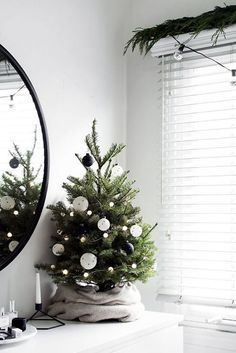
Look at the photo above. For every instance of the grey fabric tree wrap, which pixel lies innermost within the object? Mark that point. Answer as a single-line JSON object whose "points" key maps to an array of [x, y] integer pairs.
{"points": [[87, 305]]}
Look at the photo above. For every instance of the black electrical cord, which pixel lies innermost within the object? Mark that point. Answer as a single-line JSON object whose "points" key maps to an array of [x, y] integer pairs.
{"points": [[181, 49]]}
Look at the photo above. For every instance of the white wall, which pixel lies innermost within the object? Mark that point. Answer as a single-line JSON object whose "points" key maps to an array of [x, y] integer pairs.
{"points": [[144, 114], [72, 52]]}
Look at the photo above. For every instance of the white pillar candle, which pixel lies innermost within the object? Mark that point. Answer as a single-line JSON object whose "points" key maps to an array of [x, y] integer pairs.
{"points": [[38, 290]]}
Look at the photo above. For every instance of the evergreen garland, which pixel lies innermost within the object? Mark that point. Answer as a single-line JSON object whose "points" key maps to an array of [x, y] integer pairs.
{"points": [[120, 256], [219, 18]]}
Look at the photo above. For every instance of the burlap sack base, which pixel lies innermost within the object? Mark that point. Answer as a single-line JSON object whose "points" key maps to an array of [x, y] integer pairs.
{"points": [[87, 305]]}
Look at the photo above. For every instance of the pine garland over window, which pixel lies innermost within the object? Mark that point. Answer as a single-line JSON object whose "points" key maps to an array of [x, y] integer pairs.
{"points": [[219, 18]]}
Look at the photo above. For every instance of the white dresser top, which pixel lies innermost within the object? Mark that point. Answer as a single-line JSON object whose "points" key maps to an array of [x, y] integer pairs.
{"points": [[76, 337]]}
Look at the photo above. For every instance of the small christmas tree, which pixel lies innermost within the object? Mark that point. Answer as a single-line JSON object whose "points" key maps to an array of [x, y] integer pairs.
{"points": [[19, 195], [100, 238]]}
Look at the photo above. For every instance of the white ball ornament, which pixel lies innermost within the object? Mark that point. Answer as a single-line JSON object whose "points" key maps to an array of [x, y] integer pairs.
{"points": [[12, 245], [80, 204], [7, 203], [58, 249], [103, 224], [136, 230], [116, 171], [88, 261]]}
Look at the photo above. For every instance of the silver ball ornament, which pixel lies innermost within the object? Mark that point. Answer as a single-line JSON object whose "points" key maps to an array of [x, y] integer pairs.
{"points": [[80, 204], [58, 249], [116, 171], [88, 261], [7, 203], [136, 230], [12, 245], [103, 224]]}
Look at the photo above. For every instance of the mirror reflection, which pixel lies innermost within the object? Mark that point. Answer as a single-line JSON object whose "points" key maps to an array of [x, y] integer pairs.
{"points": [[21, 159]]}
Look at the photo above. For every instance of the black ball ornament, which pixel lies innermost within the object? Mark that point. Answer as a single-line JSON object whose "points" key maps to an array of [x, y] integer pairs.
{"points": [[105, 286], [79, 230], [110, 262], [14, 163], [118, 242], [3, 227], [128, 248], [87, 160]]}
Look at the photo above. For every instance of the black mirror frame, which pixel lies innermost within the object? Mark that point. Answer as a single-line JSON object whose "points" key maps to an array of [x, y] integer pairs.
{"points": [[42, 197]]}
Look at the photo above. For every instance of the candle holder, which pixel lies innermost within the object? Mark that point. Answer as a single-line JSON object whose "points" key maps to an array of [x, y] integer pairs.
{"points": [[38, 308]]}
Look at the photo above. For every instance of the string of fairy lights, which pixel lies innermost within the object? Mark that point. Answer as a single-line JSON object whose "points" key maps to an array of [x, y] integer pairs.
{"points": [[12, 95], [179, 55]]}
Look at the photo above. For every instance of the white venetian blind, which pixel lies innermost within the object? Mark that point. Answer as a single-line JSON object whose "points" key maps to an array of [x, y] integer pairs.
{"points": [[18, 121], [197, 228]]}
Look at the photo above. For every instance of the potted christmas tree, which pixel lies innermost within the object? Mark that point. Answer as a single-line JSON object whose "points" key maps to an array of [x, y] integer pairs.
{"points": [[101, 244]]}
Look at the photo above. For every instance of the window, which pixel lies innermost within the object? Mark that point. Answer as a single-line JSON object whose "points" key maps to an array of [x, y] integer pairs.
{"points": [[197, 223], [20, 119]]}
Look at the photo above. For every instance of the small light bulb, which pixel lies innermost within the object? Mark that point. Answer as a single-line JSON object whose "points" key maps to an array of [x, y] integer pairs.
{"points": [[65, 272], [178, 54], [9, 234], [134, 265], [66, 237], [16, 213], [233, 77], [63, 214], [110, 269], [11, 104], [168, 234], [89, 212], [71, 213], [53, 267], [82, 239], [124, 228], [111, 204], [86, 274], [105, 235]]}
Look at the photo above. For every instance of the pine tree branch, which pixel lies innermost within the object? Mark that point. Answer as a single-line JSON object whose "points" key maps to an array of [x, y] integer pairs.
{"points": [[114, 150], [107, 172], [91, 142]]}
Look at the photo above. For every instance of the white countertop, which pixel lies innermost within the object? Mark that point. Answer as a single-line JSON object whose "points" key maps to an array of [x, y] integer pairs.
{"points": [[77, 337]]}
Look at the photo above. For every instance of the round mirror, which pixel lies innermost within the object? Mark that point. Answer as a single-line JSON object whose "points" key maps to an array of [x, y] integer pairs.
{"points": [[23, 158]]}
